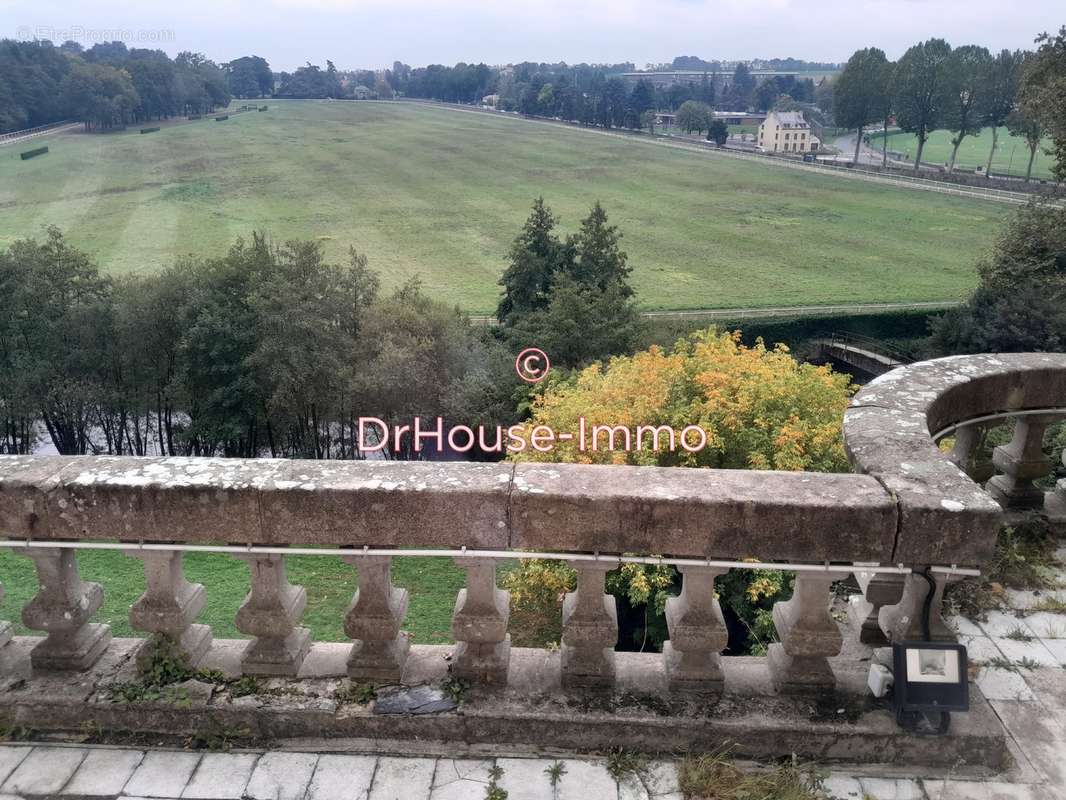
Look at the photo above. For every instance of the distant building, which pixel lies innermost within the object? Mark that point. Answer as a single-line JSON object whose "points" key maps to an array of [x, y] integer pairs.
{"points": [[695, 76], [740, 117], [361, 92], [490, 100], [787, 132]]}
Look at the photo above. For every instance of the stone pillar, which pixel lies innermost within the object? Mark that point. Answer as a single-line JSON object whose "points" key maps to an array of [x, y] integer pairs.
{"points": [[169, 605], [697, 633], [903, 621], [590, 629], [271, 612], [1055, 500], [1022, 461], [879, 589], [374, 619], [7, 630], [479, 625], [808, 637], [62, 608], [965, 454]]}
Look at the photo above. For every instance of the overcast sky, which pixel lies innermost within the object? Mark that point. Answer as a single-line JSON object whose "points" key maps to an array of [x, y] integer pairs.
{"points": [[374, 33]]}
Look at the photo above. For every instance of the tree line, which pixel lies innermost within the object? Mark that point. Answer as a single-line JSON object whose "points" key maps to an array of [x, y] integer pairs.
{"points": [[272, 349], [110, 85], [962, 89]]}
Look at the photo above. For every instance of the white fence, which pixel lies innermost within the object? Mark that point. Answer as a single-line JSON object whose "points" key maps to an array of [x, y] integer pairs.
{"points": [[40, 130]]}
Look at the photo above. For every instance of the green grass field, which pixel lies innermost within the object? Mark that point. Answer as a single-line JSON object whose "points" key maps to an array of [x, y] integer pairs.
{"points": [[441, 194], [432, 584], [1012, 154]]}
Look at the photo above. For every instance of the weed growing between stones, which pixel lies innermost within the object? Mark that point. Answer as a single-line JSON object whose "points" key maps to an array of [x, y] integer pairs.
{"points": [[161, 667], [494, 791], [455, 688], [714, 776], [354, 692], [218, 737], [1024, 559], [555, 774], [623, 764]]}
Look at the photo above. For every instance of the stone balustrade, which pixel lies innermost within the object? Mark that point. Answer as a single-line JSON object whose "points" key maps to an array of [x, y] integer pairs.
{"points": [[909, 506]]}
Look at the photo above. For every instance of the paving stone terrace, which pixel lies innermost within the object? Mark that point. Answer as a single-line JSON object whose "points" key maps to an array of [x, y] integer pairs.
{"points": [[908, 507]]}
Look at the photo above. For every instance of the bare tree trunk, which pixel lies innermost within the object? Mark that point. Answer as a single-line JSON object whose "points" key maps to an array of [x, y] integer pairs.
{"points": [[858, 144], [918, 157], [954, 152], [1029, 169], [992, 152], [884, 148]]}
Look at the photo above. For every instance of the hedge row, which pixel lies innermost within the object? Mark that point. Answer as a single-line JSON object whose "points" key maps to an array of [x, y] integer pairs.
{"points": [[39, 151], [222, 119], [263, 108], [149, 130], [903, 329], [193, 116]]}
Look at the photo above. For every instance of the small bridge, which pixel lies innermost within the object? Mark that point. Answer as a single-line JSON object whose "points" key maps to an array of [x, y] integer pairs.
{"points": [[863, 353]]}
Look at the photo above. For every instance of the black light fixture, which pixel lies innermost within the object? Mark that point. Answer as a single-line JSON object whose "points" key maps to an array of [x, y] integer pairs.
{"points": [[930, 681]]}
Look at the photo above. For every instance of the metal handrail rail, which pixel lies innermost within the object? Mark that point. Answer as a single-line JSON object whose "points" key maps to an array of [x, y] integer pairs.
{"points": [[876, 346]]}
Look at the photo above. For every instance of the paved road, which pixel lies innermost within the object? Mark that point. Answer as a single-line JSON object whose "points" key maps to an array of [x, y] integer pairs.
{"points": [[776, 311], [867, 155]]}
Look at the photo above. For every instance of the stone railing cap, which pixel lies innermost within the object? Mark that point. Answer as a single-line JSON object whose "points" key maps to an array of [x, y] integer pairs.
{"points": [[944, 516]]}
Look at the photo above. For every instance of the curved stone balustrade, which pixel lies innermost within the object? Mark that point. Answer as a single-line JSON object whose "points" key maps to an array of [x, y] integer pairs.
{"points": [[911, 505]]}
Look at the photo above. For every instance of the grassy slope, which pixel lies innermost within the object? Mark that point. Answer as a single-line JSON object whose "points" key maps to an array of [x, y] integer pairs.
{"points": [[973, 152], [441, 194]]}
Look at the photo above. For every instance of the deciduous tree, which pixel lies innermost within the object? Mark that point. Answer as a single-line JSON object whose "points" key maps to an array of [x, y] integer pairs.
{"points": [[966, 91], [921, 90], [858, 92]]}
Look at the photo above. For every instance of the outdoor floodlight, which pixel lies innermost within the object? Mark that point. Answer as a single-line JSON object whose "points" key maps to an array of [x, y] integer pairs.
{"points": [[930, 678]]}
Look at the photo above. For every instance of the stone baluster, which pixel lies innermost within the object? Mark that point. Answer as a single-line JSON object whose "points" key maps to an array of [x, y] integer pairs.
{"points": [[271, 613], [903, 621], [7, 630], [169, 605], [800, 662], [590, 629], [1022, 461], [966, 453], [374, 619], [62, 608], [1055, 500], [879, 589], [479, 625], [697, 633]]}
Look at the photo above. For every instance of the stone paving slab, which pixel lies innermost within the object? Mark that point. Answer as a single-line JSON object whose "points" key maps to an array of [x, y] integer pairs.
{"points": [[892, 788], [585, 779], [45, 770], [461, 779], [399, 778], [977, 790], [282, 776], [10, 757], [128, 774], [342, 777], [221, 776], [997, 683], [162, 773], [104, 772]]}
